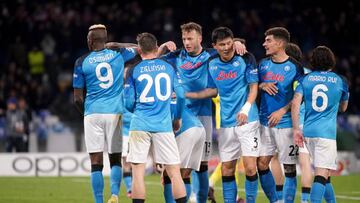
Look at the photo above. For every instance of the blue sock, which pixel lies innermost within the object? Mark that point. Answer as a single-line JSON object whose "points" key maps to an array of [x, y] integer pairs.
{"points": [[194, 182], [317, 189], [279, 191], [97, 183], [229, 189], [127, 181], [187, 187], [251, 188], [203, 177], [290, 187], [305, 194], [115, 179], [168, 190], [329, 192], [268, 185]]}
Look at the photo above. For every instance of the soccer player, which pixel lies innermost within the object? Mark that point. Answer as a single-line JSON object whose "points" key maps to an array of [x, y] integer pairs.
{"points": [[235, 78], [294, 51], [148, 90], [100, 72], [191, 62], [190, 139], [324, 94], [277, 74]]}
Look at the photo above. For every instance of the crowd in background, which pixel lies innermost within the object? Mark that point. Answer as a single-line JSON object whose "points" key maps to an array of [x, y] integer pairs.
{"points": [[42, 39]]}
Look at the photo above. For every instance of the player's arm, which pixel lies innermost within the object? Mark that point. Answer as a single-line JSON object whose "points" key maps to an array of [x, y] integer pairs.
{"points": [[117, 45], [344, 96], [79, 100], [239, 46], [166, 47], [242, 116], [343, 106], [295, 117], [269, 87], [206, 93], [276, 116]]}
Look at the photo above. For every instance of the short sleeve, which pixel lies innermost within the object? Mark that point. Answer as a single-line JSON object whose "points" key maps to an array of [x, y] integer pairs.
{"points": [[78, 75], [128, 53], [251, 72], [344, 90]]}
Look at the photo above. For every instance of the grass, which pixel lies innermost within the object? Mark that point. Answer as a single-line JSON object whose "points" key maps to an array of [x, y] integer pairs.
{"points": [[77, 189]]}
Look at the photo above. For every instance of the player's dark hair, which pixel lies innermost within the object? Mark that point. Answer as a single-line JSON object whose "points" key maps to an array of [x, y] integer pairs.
{"points": [[188, 27], [322, 59], [221, 33], [147, 42], [279, 33], [294, 51]]}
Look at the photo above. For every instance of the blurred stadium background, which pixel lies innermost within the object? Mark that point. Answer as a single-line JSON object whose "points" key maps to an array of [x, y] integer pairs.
{"points": [[41, 40]]}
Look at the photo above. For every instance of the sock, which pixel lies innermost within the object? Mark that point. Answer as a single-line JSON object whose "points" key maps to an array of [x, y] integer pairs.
{"points": [[305, 194], [181, 200], [317, 189], [229, 189], [279, 191], [203, 187], [251, 188], [194, 183], [290, 187], [268, 185], [138, 200], [97, 182], [329, 192], [168, 190], [187, 187], [127, 181], [115, 179]]}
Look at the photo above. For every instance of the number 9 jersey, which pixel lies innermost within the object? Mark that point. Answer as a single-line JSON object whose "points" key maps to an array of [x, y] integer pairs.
{"points": [[102, 73], [322, 92]]}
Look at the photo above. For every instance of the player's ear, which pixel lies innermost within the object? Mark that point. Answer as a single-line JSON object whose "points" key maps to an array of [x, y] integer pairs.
{"points": [[214, 45]]}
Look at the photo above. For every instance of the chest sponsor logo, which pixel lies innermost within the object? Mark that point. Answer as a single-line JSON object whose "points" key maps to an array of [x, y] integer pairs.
{"points": [[226, 76], [189, 65], [272, 76]]}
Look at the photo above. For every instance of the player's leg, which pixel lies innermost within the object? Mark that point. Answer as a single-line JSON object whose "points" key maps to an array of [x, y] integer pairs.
{"points": [[202, 175], [278, 176], [166, 152], [306, 174], [127, 175], [319, 185], [288, 156], [139, 146], [267, 149], [329, 192], [114, 145], [94, 141], [230, 152]]}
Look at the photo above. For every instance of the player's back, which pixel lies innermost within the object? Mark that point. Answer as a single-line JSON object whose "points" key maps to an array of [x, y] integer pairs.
{"points": [[101, 72], [322, 91], [153, 81]]}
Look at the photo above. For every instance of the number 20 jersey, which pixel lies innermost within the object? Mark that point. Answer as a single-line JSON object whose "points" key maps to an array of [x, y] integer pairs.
{"points": [[102, 73], [322, 92]]}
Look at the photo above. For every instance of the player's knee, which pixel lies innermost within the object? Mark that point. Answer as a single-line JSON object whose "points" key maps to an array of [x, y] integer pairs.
{"points": [[115, 159], [250, 170], [263, 164], [228, 169], [290, 170]]}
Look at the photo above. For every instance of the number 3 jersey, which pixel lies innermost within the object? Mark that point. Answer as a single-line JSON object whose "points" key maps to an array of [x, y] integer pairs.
{"points": [[102, 73], [322, 92], [148, 89]]}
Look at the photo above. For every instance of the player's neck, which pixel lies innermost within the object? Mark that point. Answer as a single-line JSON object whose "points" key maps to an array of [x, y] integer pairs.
{"points": [[279, 57], [197, 52], [148, 56]]}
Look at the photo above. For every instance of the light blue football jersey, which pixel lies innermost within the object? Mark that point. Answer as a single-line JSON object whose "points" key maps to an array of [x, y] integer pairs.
{"points": [[284, 74], [188, 118], [101, 73], [194, 75], [232, 79], [148, 90], [322, 92], [126, 120], [302, 106]]}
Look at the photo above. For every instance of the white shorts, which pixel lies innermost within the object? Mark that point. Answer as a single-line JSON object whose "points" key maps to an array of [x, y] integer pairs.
{"points": [[281, 139], [239, 141], [323, 152], [191, 144], [208, 125], [102, 132], [125, 146], [164, 147]]}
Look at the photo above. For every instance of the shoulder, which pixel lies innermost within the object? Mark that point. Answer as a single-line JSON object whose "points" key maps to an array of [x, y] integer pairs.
{"points": [[213, 57], [296, 63], [343, 78], [211, 51], [264, 60], [249, 58], [81, 59]]}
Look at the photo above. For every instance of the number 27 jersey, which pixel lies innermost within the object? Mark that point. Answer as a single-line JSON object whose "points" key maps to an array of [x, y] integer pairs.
{"points": [[322, 93], [102, 74]]}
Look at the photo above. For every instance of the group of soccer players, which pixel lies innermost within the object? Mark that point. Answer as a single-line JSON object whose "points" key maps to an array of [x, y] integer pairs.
{"points": [[167, 103]]}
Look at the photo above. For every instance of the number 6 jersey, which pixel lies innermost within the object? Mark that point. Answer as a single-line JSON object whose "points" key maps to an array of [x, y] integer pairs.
{"points": [[102, 73], [322, 92]]}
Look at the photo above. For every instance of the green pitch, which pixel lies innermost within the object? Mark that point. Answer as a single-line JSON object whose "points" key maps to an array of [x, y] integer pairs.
{"points": [[77, 189]]}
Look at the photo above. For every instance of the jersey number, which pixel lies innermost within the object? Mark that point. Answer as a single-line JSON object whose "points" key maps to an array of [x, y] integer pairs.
{"points": [[294, 150], [108, 79], [149, 83], [319, 91]]}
